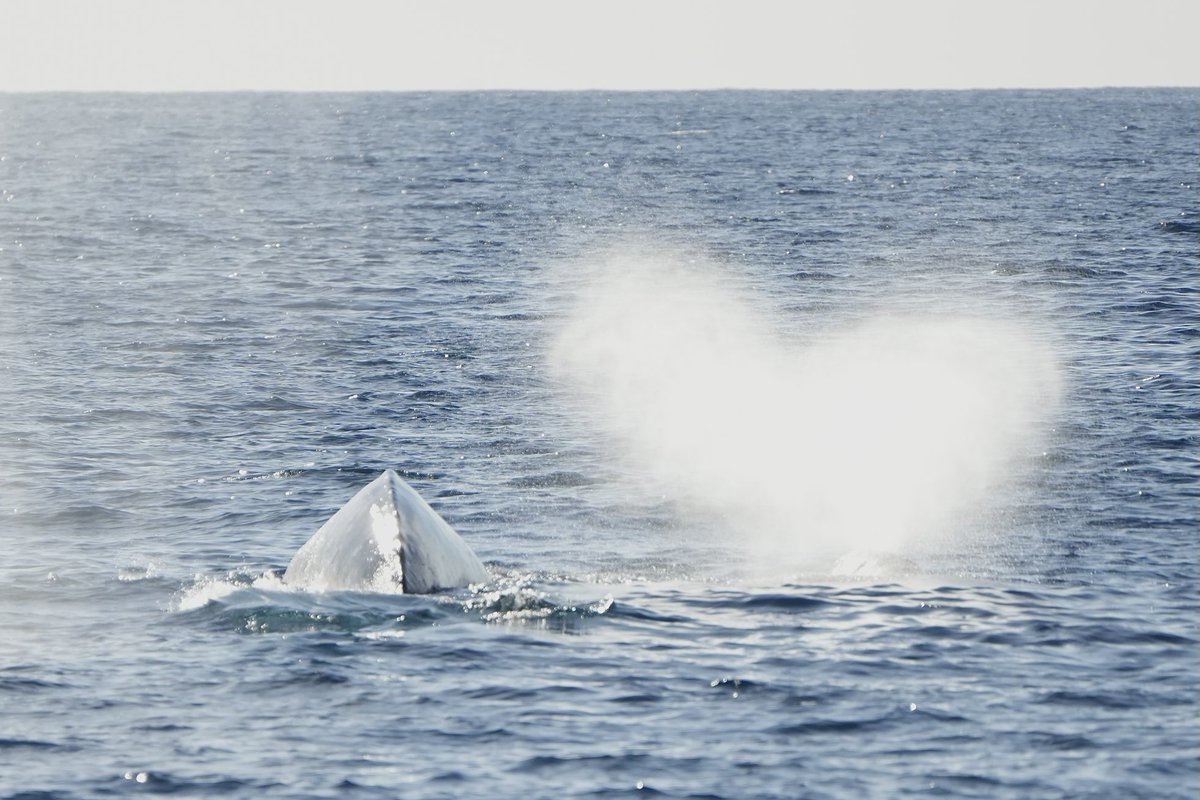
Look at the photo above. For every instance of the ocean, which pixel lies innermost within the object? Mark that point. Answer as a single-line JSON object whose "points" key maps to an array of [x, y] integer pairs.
{"points": [[817, 444]]}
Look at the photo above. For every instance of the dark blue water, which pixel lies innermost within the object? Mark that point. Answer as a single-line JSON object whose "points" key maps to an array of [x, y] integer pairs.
{"points": [[222, 314]]}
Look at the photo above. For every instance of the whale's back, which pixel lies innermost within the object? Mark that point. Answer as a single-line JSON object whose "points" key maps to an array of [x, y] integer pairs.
{"points": [[385, 539]]}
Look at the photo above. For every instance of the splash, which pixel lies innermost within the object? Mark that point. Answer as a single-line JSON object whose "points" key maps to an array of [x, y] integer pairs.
{"points": [[871, 438], [207, 589]]}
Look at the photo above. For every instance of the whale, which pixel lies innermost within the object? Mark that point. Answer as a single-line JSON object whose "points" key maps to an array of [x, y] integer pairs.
{"points": [[386, 538]]}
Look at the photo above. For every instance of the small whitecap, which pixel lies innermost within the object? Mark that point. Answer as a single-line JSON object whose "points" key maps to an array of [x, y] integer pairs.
{"points": [[137, 572], [377, 636], [203, 592]]}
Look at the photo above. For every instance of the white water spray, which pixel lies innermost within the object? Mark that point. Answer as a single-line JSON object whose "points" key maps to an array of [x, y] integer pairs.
{"points": [[875, 437]]}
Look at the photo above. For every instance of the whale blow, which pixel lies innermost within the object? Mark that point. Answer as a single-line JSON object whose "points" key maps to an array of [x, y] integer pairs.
{"points": [[385, 539]]}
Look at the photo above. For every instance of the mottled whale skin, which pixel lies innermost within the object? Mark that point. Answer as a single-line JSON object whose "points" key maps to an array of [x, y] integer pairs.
{"points": [[385, 539]]}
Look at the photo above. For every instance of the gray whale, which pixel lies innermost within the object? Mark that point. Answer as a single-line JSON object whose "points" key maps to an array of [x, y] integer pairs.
{"points": [[385, 539]]}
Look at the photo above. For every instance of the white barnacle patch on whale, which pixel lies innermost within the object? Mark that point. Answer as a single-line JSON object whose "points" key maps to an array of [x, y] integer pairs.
{"points": [[385, 539]]}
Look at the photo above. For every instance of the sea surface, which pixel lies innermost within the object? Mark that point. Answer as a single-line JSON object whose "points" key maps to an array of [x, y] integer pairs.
{"points": [[967, 320]]}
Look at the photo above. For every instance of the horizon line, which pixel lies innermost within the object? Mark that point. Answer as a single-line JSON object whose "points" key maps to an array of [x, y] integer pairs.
{"points": [[598, 89]]}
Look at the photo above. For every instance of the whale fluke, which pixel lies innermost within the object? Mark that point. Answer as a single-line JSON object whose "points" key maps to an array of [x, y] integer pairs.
{"points": [[386, 539]]}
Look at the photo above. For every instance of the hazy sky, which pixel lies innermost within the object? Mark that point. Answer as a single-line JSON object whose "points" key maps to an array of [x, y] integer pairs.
{"points": [[614, 44]]}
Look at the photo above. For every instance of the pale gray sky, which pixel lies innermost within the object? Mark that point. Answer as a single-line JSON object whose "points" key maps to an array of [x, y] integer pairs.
{"points": [[150, 45]]}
